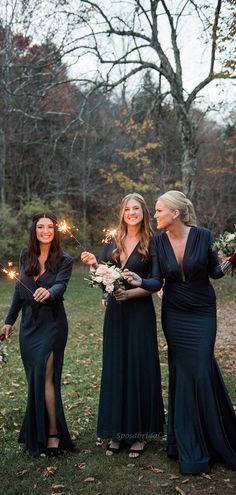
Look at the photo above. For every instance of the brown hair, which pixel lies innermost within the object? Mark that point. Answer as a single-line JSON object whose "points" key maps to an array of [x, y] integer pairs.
{"points": [[176, 200], [145, 231], [31, 262]]}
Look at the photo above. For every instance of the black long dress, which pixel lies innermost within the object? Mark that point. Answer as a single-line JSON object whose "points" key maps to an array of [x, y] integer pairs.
{"points": [[131, 404], [201, 421], [43, 330]]}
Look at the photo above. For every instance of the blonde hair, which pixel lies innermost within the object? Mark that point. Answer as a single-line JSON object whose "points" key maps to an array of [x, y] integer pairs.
{"points": [[145, 231], [176, 200]]}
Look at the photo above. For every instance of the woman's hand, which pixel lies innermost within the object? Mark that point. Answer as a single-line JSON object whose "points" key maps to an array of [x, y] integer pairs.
{"points": [[121, 294], [132, 278], [5, 332], [89, 259], [41, 294]]}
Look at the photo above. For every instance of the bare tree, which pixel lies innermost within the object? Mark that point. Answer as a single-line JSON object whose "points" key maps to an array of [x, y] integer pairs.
{"points": [[150, 35]]}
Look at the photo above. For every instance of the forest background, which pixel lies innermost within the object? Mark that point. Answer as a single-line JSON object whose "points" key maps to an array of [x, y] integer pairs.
{"points": [[94, 105]]}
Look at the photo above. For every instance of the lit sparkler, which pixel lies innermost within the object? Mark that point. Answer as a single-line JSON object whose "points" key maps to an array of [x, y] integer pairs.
{"points": [[66, 229], [12, 274], [109, 234]]}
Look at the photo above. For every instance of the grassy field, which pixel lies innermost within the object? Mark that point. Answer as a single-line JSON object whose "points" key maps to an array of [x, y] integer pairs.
{"points": [[89, 471]]}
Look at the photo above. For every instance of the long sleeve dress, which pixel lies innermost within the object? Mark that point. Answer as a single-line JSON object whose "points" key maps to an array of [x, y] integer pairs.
{"points": [[201, 419], [43, 330], [131, 404]]}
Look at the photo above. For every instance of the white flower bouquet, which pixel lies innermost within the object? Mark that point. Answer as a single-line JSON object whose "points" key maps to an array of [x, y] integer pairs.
{"points": [[107, 276], [226, 246]]}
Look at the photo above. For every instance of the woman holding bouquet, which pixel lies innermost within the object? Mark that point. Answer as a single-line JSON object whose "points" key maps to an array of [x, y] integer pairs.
{"points": [[45, 270], [131, 404], [201, 419]]}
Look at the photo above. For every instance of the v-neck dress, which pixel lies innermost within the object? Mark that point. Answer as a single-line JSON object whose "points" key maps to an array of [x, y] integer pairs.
{"points": [[201, 419], [43, 330], [130, 404]]}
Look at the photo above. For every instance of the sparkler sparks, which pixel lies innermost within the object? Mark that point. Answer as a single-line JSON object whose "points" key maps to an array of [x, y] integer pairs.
{"points": [[109, 234], [66, 229], [12, 274]]}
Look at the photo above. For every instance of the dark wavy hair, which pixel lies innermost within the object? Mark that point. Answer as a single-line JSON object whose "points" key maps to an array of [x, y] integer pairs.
{"points": [[31, 255], [145, 231]]}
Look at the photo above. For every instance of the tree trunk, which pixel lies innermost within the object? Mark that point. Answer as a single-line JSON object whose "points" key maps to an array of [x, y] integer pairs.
{"points": [[188, 150]]}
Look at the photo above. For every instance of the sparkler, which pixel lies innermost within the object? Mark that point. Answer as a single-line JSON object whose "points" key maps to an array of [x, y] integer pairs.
{"points": [[66, 229], [109, 234], [12, 274]]}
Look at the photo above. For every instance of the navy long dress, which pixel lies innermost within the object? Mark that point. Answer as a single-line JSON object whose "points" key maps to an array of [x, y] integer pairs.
{"points": [[131, 404], [43, 330], [201, 420]]}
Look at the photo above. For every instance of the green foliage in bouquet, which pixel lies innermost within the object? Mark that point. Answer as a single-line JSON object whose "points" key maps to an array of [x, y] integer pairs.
{"points": [[226, 243]]}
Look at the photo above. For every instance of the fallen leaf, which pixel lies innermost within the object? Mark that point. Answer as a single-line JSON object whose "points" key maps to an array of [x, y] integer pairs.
{"points": [[207, 476], [22, 473], [89, 480], [185, 481], [178, 490], [57, 487], [174, 477], [50, 471], [154, 469], [75, 434], [73, 406], [82, 465]]}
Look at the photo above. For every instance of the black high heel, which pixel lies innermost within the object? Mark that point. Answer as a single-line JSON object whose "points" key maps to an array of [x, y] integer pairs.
{"points": [[54, 451]]}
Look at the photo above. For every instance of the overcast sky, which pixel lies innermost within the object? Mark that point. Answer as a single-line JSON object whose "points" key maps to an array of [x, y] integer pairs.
{"points": [[193, 47], [195, 55]]}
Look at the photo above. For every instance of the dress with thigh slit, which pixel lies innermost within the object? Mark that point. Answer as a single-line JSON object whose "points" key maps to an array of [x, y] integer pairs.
{"points": [[201, 418], [130, 406], [43, 330]]}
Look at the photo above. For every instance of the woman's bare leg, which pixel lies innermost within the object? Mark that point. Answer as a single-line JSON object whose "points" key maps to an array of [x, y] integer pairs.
{"points": [[50, 402]]}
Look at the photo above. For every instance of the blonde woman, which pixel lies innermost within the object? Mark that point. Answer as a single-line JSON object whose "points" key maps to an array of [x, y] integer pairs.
{"points": [[201, 419], [131, 405]]}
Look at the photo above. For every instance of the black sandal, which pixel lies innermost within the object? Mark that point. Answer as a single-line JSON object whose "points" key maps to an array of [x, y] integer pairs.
{"points": [[138, 453], [113, 450], [54, 451]]}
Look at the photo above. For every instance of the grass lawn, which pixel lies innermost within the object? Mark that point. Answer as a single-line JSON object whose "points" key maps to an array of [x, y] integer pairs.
{"points": [[89, 471]]}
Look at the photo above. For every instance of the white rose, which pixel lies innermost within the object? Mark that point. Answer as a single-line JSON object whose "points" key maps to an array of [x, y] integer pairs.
{"points": [[230, 237], [116, 274], [101, 270], [98, 279], [109, 288], [108, 278]]}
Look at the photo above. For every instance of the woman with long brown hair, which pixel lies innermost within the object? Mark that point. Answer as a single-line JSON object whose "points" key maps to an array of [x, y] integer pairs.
{"points": [[45, 270], [131, 405]]}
